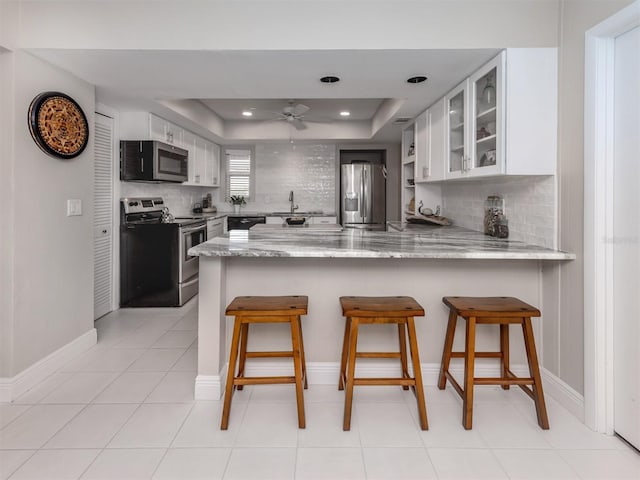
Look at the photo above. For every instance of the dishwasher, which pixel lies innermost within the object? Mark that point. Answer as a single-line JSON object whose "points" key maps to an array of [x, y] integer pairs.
{"points": [[244, 223]]}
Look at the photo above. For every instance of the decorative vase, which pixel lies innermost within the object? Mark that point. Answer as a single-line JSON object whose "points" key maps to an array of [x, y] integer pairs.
{"points": [[236, 208]]}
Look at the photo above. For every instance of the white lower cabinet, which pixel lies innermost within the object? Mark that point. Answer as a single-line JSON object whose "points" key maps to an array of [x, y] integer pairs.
{"points": [[215, 227]]}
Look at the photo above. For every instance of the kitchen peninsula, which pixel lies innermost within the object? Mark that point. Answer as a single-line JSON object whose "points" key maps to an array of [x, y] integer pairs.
{"points": [[429, 264]]}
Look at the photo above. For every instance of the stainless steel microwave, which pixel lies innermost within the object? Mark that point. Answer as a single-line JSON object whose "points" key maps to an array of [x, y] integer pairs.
{"points": [[152, 161]]}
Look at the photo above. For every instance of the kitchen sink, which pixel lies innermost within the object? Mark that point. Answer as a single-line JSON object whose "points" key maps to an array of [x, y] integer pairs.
{"points": [[297, 213]]}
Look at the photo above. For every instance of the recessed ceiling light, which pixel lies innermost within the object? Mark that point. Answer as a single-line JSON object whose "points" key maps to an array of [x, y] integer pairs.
{"points": [[247, 113], [330, 79], [416, 79], [345, 113]]}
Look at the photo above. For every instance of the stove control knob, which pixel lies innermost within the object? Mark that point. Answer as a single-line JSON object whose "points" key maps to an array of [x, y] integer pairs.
{"points": [[133, 204]]}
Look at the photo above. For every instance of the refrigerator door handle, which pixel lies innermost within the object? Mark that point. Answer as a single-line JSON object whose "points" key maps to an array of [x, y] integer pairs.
{"points": [[364, 203], [384, 171]]}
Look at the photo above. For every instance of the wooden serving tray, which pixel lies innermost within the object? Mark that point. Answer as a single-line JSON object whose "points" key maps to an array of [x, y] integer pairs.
{"points": [[428, 219]]}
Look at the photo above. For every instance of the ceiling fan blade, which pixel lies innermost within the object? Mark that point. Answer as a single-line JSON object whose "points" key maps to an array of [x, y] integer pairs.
{"points": [[298, 124], [299, 109]]}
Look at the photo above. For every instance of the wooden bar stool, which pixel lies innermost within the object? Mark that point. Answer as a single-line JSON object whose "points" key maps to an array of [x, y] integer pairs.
{"points": [[248, 310], [491, 310], [381, 310]]}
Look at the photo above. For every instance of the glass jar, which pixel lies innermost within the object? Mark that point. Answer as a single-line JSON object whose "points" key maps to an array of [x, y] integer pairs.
{"points": [[493, 207], [502, 227]]}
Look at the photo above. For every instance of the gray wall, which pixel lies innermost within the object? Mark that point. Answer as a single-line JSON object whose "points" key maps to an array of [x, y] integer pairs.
{"points": [[47, 257]]}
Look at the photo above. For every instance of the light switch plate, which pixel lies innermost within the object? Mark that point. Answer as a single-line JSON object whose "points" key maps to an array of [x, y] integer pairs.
{"points": [[74, 207]]}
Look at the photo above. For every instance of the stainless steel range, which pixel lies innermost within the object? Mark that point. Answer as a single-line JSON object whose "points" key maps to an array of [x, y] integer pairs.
{"points": [[155, 269]]}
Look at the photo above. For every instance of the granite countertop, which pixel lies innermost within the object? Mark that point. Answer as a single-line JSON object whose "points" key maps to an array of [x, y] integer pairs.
{"points": [[428, 242], [283, 227], [310, 213]]}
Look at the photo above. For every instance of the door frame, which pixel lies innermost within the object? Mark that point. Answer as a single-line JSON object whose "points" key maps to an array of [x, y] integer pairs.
{"points": [[598, 216]]}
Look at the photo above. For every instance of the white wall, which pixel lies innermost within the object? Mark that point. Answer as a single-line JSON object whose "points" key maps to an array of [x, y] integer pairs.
{"points": [[6, 199], [48, 256]]}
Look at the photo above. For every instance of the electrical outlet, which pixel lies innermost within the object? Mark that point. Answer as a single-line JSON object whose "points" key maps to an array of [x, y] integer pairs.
{"points": [[74, 207]]}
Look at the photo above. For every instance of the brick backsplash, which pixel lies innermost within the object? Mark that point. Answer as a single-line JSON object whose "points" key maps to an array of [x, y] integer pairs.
{"points": [[530, 206], [307, 169]]}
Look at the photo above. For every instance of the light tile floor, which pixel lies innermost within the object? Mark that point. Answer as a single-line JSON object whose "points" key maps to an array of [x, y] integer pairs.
{"points": [[125, 410]]}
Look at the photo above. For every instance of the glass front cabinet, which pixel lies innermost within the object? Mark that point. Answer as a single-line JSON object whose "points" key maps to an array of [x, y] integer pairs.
{"points": [[475, 138]]}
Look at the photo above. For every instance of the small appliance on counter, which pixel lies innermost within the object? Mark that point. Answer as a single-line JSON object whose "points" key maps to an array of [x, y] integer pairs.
{"points": [[197, 208], [207, 204]]}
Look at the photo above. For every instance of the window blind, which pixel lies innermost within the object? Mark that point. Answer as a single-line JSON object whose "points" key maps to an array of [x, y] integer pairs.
{"points": [[239, 172]]}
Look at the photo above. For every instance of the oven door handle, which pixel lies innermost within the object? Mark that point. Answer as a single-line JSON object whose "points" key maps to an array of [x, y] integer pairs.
{"points": [[195, 229], [190, 282]]}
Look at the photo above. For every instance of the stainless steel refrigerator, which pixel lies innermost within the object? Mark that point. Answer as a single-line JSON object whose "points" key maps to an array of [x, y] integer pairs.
{"points": [[363, 195]]}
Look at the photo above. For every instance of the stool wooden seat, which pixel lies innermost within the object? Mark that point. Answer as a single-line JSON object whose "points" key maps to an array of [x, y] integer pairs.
{"points": [[274, 309], [491, 310], [381, 310]]}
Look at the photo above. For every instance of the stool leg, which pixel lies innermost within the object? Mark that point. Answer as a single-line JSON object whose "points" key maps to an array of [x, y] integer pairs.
{"points": [[345, 351], [297, 366], [353, 341], [304, 363], [448, 347], [417, 373], [402, 338], [532, 358], [469, 372], [233, 355], [244, 338], [504, 349]]}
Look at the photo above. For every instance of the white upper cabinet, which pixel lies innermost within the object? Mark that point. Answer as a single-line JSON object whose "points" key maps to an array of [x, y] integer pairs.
{"points": [[503, 118], [457, 130], [430, 144], [165, 131], [212, 164], [204, 165]]}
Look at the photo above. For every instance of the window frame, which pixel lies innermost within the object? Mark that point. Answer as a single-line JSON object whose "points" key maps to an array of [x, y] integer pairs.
{"points": [[252, 170]]}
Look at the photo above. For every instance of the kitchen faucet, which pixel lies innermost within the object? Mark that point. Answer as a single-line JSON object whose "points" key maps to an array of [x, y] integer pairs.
{"points": [[293, 209]]}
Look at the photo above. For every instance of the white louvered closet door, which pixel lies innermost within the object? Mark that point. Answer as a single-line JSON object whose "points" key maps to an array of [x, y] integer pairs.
{"points": [[103, 216]]}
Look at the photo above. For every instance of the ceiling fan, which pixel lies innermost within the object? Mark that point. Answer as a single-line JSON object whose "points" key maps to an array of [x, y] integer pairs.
{"points": [[294, 114]]}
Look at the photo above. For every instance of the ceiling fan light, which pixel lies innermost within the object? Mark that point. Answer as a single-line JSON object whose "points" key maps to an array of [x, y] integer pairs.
{"points": [[330, 79], [345, 113], [247, 113]]}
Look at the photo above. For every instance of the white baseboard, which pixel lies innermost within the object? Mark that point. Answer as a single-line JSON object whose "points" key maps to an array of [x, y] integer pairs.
{"points": [[209, 387], [12, 387], [563, 393]]}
